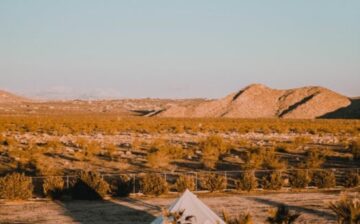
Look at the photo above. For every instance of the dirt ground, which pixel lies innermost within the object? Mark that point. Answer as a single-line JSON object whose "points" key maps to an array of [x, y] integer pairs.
{"points": [[139, 210]]}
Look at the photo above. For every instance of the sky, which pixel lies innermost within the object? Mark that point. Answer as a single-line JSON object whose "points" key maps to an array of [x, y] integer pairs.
{"points": [[178, 48]]}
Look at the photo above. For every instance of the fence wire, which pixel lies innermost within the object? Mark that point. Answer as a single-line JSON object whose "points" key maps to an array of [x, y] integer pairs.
{"points": [[231, 178]]}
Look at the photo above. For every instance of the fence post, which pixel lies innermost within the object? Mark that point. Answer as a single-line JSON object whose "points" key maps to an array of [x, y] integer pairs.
{"points": [[67, 182], [226, 180], [196, 181], [134, 183]]}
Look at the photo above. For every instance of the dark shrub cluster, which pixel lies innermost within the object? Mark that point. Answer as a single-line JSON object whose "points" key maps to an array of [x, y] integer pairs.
{"points": [[352, 179], [121, 186], [53, 187], [90, 186], [324, 179]]}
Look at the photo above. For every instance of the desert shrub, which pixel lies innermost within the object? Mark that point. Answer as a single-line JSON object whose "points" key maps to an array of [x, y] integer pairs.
{"points": [[16, 186], [153, 184], [212, 147], [215, 141], [210, 157], [158, 159], [110, 150], [352, 179], [121, 186], [90, 186], [247, 181], [355, 148], [185, 182], [271, 161], [300, 179], [253, 159], [313, 160], [176, 151], [272, 181], [324, 179], [213, 182], [242, 218], [53, 187], [282, 215], [302, 140], [347, 210]]}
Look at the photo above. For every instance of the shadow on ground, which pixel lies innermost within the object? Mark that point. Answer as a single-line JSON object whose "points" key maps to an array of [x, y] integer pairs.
{"points": [[124, 211], [300, 209]]}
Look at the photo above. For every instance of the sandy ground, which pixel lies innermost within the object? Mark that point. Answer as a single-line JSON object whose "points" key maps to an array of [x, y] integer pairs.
{"points": [[139, 210]]}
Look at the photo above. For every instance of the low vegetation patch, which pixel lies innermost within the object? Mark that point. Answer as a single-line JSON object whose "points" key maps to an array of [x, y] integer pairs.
{"points": [[247, 181], [16, 186], [213, 182], [352, 179], [282, 215], [347, 210], [272, 181], [324, 179], [184, 182], [299, 179], [153, 184], [242, 218]]}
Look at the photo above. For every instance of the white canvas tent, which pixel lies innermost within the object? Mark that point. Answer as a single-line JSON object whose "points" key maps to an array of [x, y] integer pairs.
{"points": [[192, 206]]}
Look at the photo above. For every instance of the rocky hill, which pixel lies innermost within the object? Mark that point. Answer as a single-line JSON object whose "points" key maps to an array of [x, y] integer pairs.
{"points": [[259, 101], [254, 101], [6, 97]]}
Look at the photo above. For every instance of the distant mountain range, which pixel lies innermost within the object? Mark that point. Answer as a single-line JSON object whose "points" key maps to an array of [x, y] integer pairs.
{"points": [[253, 101]]}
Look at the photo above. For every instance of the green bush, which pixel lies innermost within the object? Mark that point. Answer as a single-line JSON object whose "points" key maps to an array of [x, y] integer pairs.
{"points": [[121, 186], [90, 186], [213, 182], [351, 179], [16, 186], [300, 179], [324, 179], [272, 181], [185, 182], [153, 184], [247, 181], [53, 187]]}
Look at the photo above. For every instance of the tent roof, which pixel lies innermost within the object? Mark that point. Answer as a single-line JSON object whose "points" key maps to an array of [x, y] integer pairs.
{"points": [[192, 206]]}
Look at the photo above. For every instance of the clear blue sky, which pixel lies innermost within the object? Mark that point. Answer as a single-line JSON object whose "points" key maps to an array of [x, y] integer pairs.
{"points": [[184, 48]]}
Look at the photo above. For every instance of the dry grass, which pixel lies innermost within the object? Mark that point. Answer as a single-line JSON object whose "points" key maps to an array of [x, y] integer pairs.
{"points": [[313, 207]]}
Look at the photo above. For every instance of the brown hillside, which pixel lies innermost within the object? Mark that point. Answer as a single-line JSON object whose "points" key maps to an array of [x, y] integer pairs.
{"points": [[6, 97], [259, 101]]}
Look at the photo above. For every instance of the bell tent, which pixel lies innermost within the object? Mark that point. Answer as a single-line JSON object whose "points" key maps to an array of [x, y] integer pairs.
{"points": [[191, 207]]}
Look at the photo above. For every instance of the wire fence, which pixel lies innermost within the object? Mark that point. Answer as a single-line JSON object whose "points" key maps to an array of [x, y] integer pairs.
{"points": [[339, 178]]}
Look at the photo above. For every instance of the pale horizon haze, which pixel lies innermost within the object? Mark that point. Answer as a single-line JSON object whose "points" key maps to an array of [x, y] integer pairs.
{"points": [[176, 49]]}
